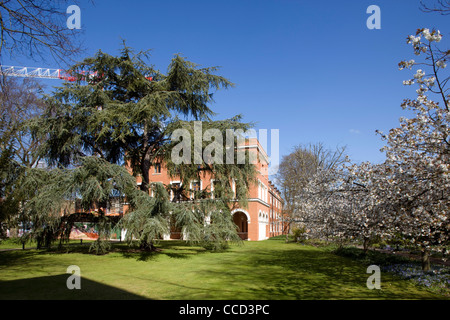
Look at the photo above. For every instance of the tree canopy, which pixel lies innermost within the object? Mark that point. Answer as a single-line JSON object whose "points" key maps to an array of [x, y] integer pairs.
{"points": [[122, 112]]}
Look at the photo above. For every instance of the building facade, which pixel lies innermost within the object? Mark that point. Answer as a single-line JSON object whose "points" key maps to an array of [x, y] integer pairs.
{"points": [[260, 219]]}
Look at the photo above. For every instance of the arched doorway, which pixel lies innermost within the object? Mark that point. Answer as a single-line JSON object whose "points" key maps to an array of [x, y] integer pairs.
{"points": [[240, 219]]}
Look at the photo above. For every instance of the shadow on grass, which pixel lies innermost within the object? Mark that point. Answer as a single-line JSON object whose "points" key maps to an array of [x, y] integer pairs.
{"points": [[371, 256], [20, 259], [173, 249], [55, 288]]}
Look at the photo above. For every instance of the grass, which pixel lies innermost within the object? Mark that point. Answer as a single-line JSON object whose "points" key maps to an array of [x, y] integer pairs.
{"points": [[14, 243], [265, 270]]}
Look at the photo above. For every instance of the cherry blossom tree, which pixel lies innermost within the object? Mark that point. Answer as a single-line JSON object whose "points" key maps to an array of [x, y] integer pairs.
{"points": [[418, 152], [339, 204], [408, 194], [304, 164]]}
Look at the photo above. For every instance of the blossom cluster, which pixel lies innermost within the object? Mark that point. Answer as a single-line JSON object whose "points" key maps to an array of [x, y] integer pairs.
{"points": [[417, 43]]}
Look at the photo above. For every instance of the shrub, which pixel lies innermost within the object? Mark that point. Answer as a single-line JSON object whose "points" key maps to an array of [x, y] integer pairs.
{"points": [[299, 234]]}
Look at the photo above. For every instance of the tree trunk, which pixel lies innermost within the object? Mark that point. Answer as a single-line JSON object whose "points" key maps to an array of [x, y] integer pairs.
{"points": [[145, 177], [366, 244], [287, 232], [145, 162], [425, 260], [145, 172], [145, 246]]}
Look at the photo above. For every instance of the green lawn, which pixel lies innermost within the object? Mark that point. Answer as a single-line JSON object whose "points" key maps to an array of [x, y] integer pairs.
{"points": [[268, 269]]}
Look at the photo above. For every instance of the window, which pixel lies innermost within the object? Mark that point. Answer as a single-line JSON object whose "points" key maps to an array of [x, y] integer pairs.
{"points": [[176, 192], [195, 187], [262, 191], [157, 167]]}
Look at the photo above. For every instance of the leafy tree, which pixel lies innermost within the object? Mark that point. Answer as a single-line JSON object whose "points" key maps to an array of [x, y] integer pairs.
{"points": [[148, 222], [50, 196], [124, 111]]}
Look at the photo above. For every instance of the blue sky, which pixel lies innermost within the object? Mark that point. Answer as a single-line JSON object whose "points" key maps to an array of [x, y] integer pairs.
{"points": [[311, 69]]}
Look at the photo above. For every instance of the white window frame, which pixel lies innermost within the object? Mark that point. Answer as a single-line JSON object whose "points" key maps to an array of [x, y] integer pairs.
{"points": [[171, 191], [190, 187]]}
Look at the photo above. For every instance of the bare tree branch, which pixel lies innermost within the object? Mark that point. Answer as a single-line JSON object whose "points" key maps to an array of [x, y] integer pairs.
{"points": [[440, 6], [34, 28], [19, 102]]}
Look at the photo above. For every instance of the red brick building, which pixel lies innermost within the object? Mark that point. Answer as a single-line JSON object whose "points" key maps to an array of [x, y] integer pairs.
{"points": [[261, 219]]}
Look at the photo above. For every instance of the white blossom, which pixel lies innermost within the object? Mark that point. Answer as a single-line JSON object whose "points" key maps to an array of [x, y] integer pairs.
{"points": [[414, 40], [419, 74], [441, 64], [408, 82]]}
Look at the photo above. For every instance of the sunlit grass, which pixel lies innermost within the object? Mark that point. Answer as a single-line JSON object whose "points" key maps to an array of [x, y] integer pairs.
{"points": [[268, 269]]}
